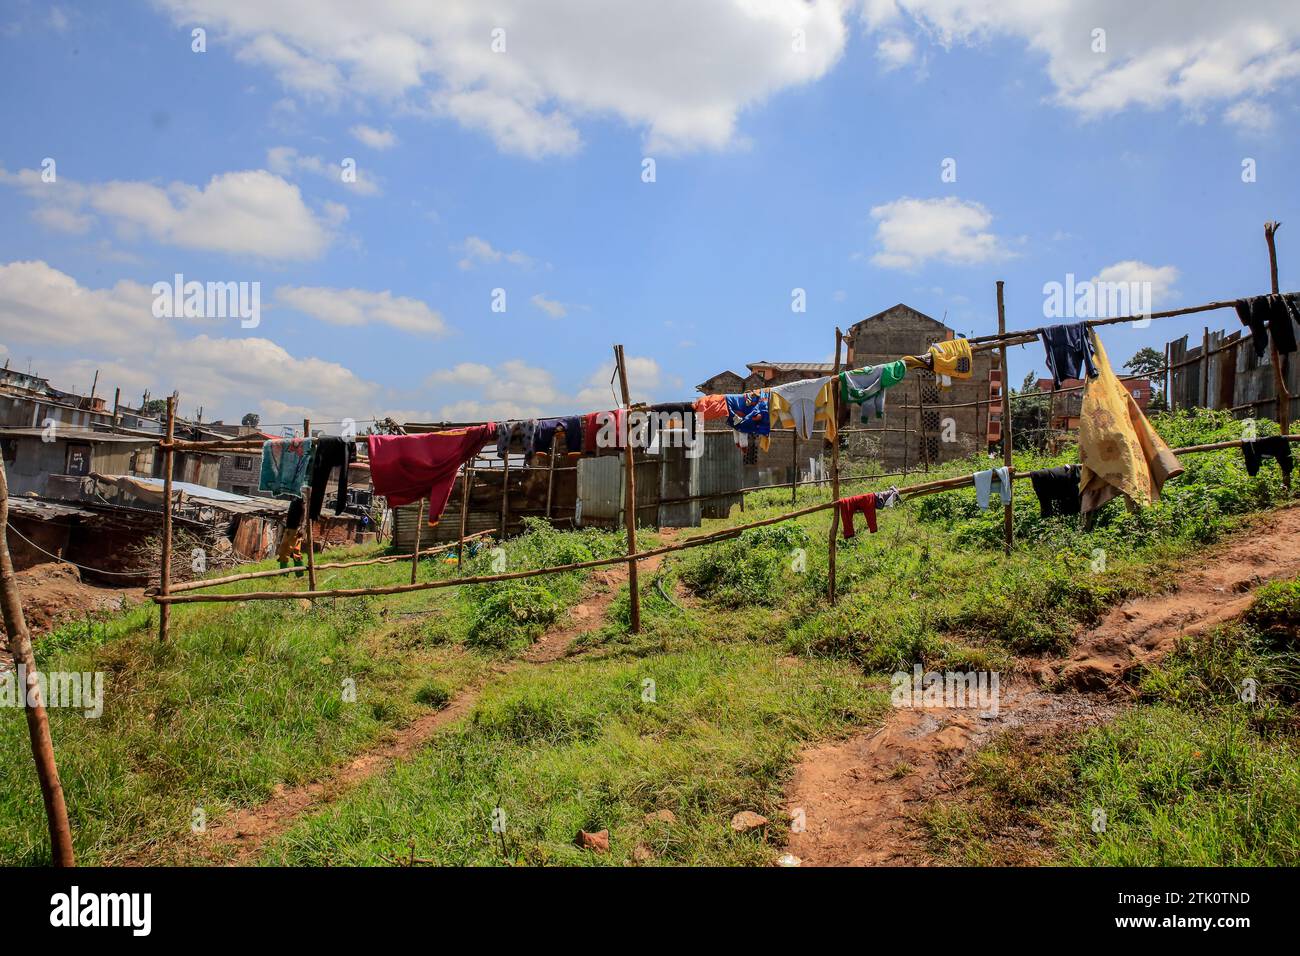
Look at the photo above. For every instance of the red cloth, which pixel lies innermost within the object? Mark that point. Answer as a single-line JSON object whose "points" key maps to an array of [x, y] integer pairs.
{"points": [[864, 503], [406, 468], [594, 422], [589, 429]]}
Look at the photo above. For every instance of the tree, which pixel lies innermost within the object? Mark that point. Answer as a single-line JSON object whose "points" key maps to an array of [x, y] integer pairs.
{"points": [[251, 420], [1030, 413], [154, 408], [1147, 362]]}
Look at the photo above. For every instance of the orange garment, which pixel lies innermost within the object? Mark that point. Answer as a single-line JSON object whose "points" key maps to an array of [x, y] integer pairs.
{"points": [[711, 406]]}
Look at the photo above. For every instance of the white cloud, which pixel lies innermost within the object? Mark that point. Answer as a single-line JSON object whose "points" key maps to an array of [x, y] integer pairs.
{"points": [[553, 308], [911, 232], [74, 330], [362, 307], [1162, 278], [1184, 53], [374, 138], [252, 213], [895, 51], [1250, 116], [286, 161], [481, 252], [680, 70]]}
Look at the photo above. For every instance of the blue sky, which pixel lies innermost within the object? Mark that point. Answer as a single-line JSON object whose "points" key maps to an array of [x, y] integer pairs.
{"points": [[775, 169]]}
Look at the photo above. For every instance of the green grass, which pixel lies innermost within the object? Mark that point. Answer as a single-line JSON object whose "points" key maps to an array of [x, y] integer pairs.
{"points": [[243, 699], [579, 746], [1198, 773]]}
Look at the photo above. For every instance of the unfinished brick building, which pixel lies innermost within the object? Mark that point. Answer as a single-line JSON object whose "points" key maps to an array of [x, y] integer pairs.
{"points": [[906, 436]]}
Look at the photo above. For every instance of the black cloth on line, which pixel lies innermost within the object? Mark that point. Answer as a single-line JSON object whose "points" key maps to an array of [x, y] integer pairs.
{"points": [[293, 517], [1057, 489], [1276, 447], [331, 452], [1275, 314], [1069, 351]]}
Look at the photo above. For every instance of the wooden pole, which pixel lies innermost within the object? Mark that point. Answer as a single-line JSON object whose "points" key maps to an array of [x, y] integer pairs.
{"points": [[835, 472], [794, 465], [306, 514], [1008, 532], [165, 572], [415, 552], [629, 503], [466, 477], [920, 424], [505, 495], [1205, 367], [1283, 394], [38, 724], [1169, 381], [550, 474]]}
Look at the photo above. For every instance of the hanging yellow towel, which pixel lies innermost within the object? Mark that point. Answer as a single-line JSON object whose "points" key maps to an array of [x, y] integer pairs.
{"points": [[953, 358], [1120, 452], [783, 416]]}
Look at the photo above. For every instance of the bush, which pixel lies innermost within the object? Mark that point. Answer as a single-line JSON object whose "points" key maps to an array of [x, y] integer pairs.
{"points": [[749, 570]]}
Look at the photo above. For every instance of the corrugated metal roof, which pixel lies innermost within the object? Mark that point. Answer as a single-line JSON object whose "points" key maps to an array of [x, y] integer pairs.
{"points": [[63, 433]]}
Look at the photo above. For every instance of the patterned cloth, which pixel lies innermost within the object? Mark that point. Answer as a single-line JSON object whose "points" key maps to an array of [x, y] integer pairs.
{"points": [[1120, 452], [286, 465], [803, 404], [866, 387]]}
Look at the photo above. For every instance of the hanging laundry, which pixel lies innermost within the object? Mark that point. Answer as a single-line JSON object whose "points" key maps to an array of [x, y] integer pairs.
{"points": [[1069, 351], [1271, 313], [801, 405], [331, 452], [1057, 490], [290, 547], [540, 433], [406, 468], [952, 358], [604, 431], [1120, 453], [863, 503], [986, 481], [749, 413], [286, 465], [293, 517], [710, 407], [866, 387], [889, 499], [505, 434], [1276, 447]]}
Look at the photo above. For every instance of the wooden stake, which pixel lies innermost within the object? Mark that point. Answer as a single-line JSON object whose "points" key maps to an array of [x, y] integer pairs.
{"points": [[415, 552], [1205, 368], [1283, 394], [1008, 531], [920, 424], [306, 514], [794, 465], [835, 471], [466, 478], [629, 502], [165, 572], [505, 495], [38, 724], [550, 474]]}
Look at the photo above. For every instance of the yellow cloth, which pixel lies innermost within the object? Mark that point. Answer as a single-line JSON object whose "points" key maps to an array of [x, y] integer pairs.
{"points": [[781, 415], [1120, 452], [952, 358]]}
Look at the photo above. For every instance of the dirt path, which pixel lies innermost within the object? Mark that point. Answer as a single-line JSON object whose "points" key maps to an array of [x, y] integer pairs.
{"points": [[246, 832], [860, 798]]}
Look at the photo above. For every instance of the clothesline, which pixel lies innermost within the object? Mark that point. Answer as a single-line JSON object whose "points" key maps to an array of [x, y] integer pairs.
{"points": [[911, 492]]}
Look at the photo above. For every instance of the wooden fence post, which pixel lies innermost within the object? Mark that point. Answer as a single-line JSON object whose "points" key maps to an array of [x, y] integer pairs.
{"points": [[1008, 532], [38, 724], [306, 517], [794, 464], [466, 476], [550, 474], [505, 494], [415, 557], [629, 503], [1205, 368], [165, 572], [1169, 382], [835, 471]]}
